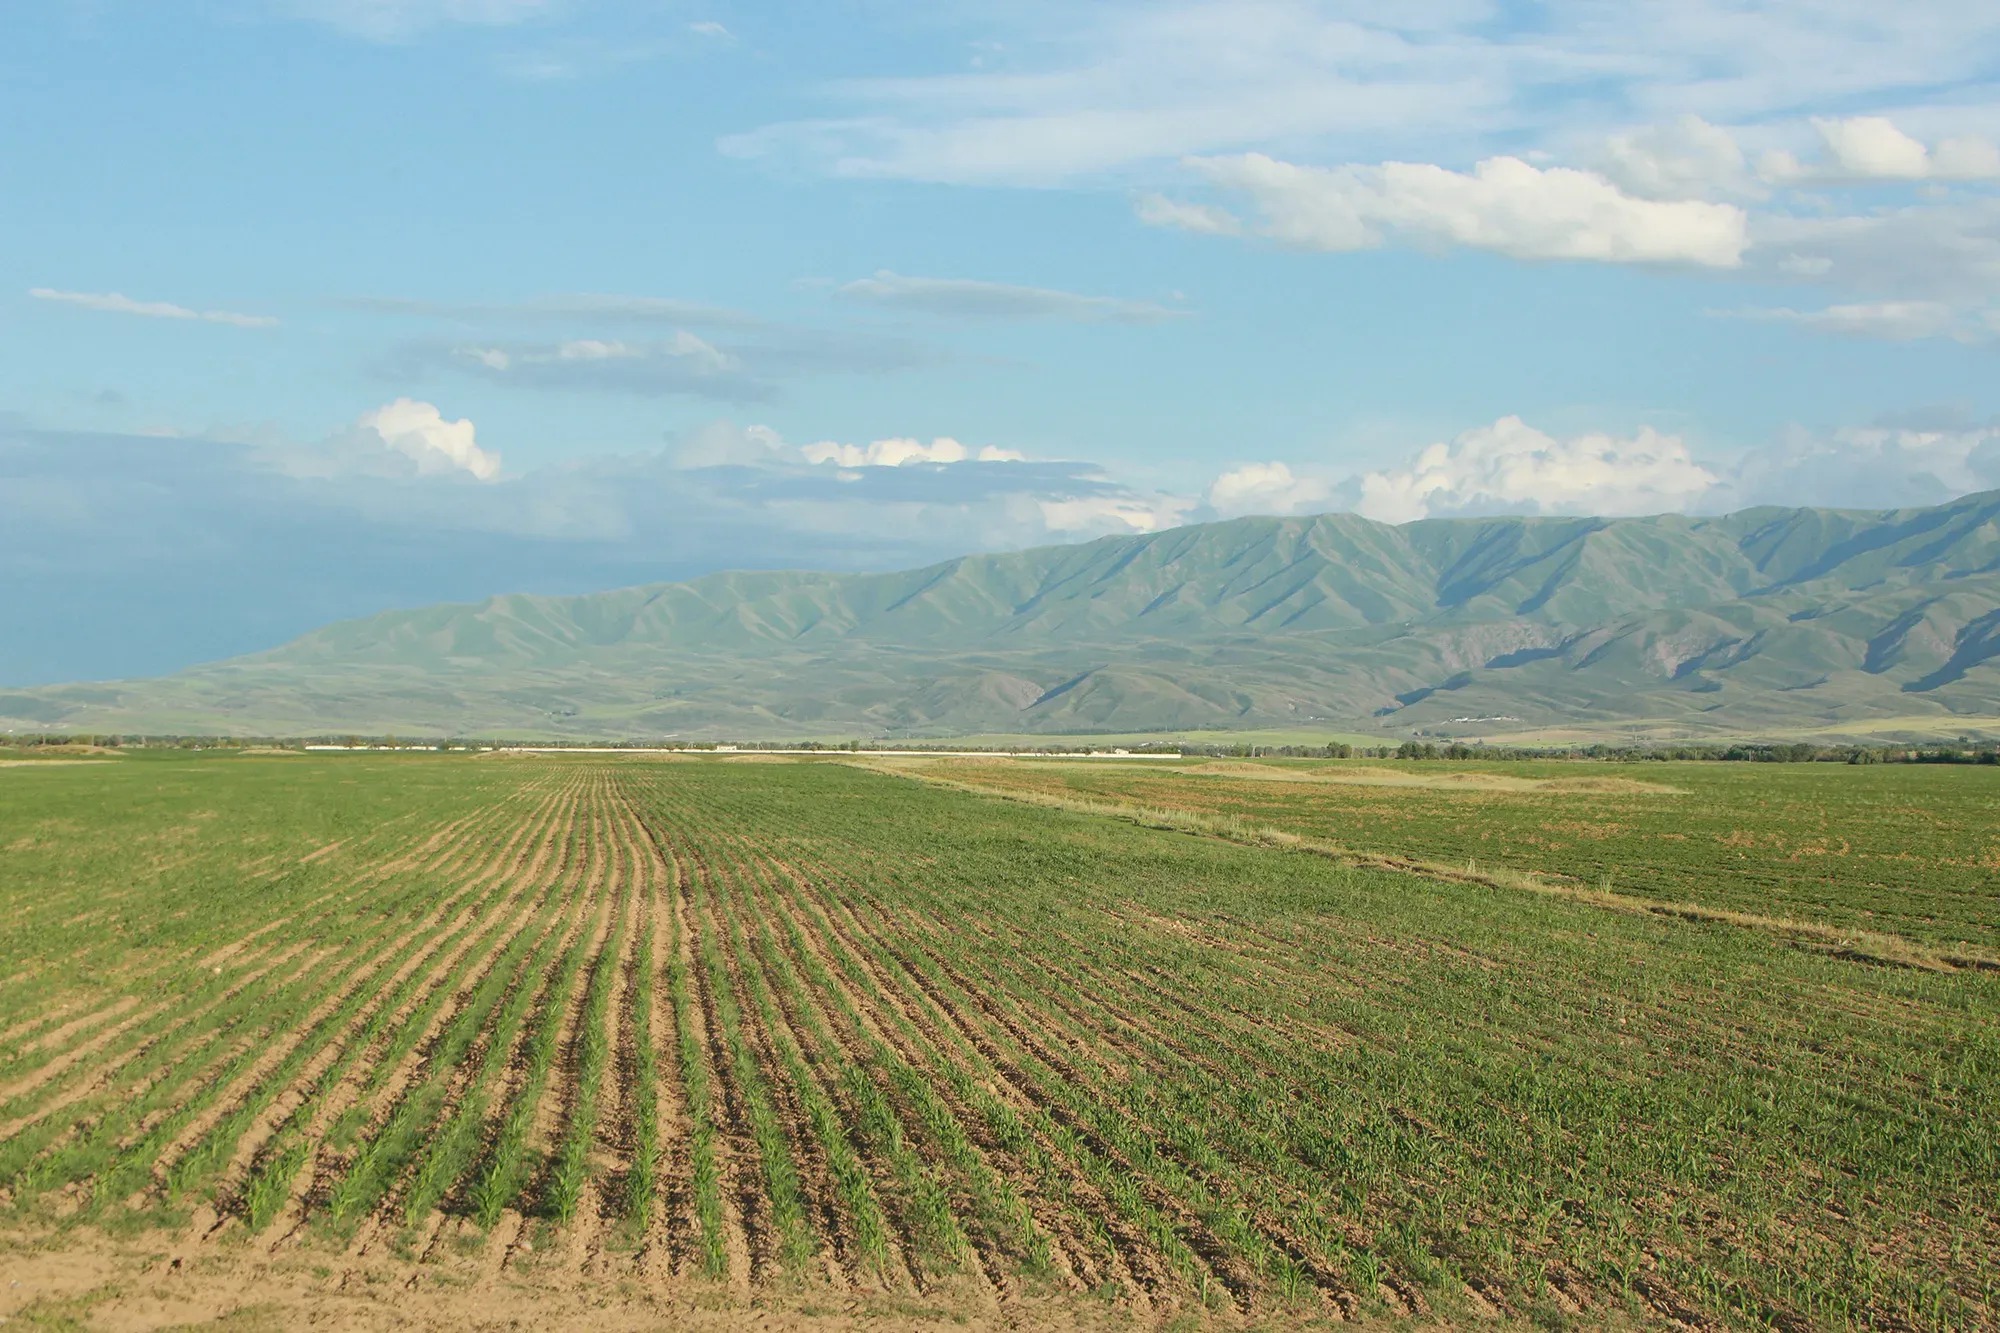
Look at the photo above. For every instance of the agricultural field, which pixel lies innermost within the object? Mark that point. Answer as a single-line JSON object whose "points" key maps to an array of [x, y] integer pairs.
{"points": [[549, 1042], [1912, 850]]}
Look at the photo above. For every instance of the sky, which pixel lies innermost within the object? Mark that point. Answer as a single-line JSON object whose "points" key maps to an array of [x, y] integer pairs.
{"points": [[313, 308]]}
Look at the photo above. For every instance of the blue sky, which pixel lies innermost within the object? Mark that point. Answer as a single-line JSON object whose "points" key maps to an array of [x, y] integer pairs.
{"points": [[314, 307]]}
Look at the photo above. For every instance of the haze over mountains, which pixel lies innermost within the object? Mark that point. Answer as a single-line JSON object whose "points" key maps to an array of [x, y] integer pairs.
{"points": [[1759, 621]]}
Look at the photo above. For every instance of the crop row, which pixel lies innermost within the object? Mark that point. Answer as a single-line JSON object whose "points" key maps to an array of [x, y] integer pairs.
{"points": [[1910, 850], [801, 1025]]}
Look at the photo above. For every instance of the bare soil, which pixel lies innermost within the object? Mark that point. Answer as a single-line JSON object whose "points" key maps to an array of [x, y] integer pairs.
{"points": [[94, 1281]]}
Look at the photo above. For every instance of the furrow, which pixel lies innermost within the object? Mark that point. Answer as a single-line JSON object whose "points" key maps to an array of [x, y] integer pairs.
{"points": [[318, 1040], [301, 1162]]}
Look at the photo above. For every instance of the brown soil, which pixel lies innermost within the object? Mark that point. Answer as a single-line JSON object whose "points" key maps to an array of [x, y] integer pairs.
{"points": [[93, 1281]]}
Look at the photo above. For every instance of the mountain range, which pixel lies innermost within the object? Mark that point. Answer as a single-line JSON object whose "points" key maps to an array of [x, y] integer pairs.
{"points": [[1762, 621]]}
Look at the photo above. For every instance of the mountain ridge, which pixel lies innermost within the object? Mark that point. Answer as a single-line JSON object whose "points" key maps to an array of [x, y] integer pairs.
{"points": [[1761, 619]]}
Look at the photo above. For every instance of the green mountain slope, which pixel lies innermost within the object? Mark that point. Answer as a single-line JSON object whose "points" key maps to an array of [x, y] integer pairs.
{"points": [[1757, 621]]}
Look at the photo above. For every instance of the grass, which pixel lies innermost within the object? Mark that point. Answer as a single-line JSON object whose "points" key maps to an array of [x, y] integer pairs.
{"points": [[1272, 1050], [572, 1164], [642, 1178], [1905, 850], [705, 1170]]}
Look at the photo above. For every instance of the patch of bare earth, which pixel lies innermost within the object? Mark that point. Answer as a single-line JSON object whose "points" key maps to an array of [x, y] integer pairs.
{"points": [[98, 1282]]}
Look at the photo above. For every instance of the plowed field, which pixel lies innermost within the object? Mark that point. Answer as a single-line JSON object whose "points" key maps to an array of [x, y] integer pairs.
{"points": [[545, 1043]]}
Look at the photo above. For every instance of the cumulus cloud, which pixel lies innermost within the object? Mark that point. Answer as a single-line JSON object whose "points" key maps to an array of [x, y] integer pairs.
{"points": [[1873, 467], [1892, 321], [264, 535], [968, 298], [1268, 488], [1510, 467], [1504, 204], [902, 484], [117, 304], [420, 433], [1341, 127], [901, 452], [398, 484], [1873, 148], [1093, 515], [944, 493], [1686, 158], [725, 444]]}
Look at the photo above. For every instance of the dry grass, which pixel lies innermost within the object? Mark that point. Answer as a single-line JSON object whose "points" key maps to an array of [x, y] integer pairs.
{"points": [[1448, 780], [46, 763]]}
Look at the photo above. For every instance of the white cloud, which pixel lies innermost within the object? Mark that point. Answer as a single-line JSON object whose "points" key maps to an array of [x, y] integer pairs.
{"points": [[1510, 467], [1267, 488], [903, 489], [1872, 467], [698, 351], [1090, 90], [596, 349], [1112, 513], [1966, 158], [1947, 251], [1126, 93], [1156, 210], [566, 307], [680, 363], [972, 299], [1103, 87], [420, 432], [1892, 321], [1504, 204], [117, 304], [1872, 148], [1862, 149], [900, 452], [1687, 158], [709, 28], [725, 444]]}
